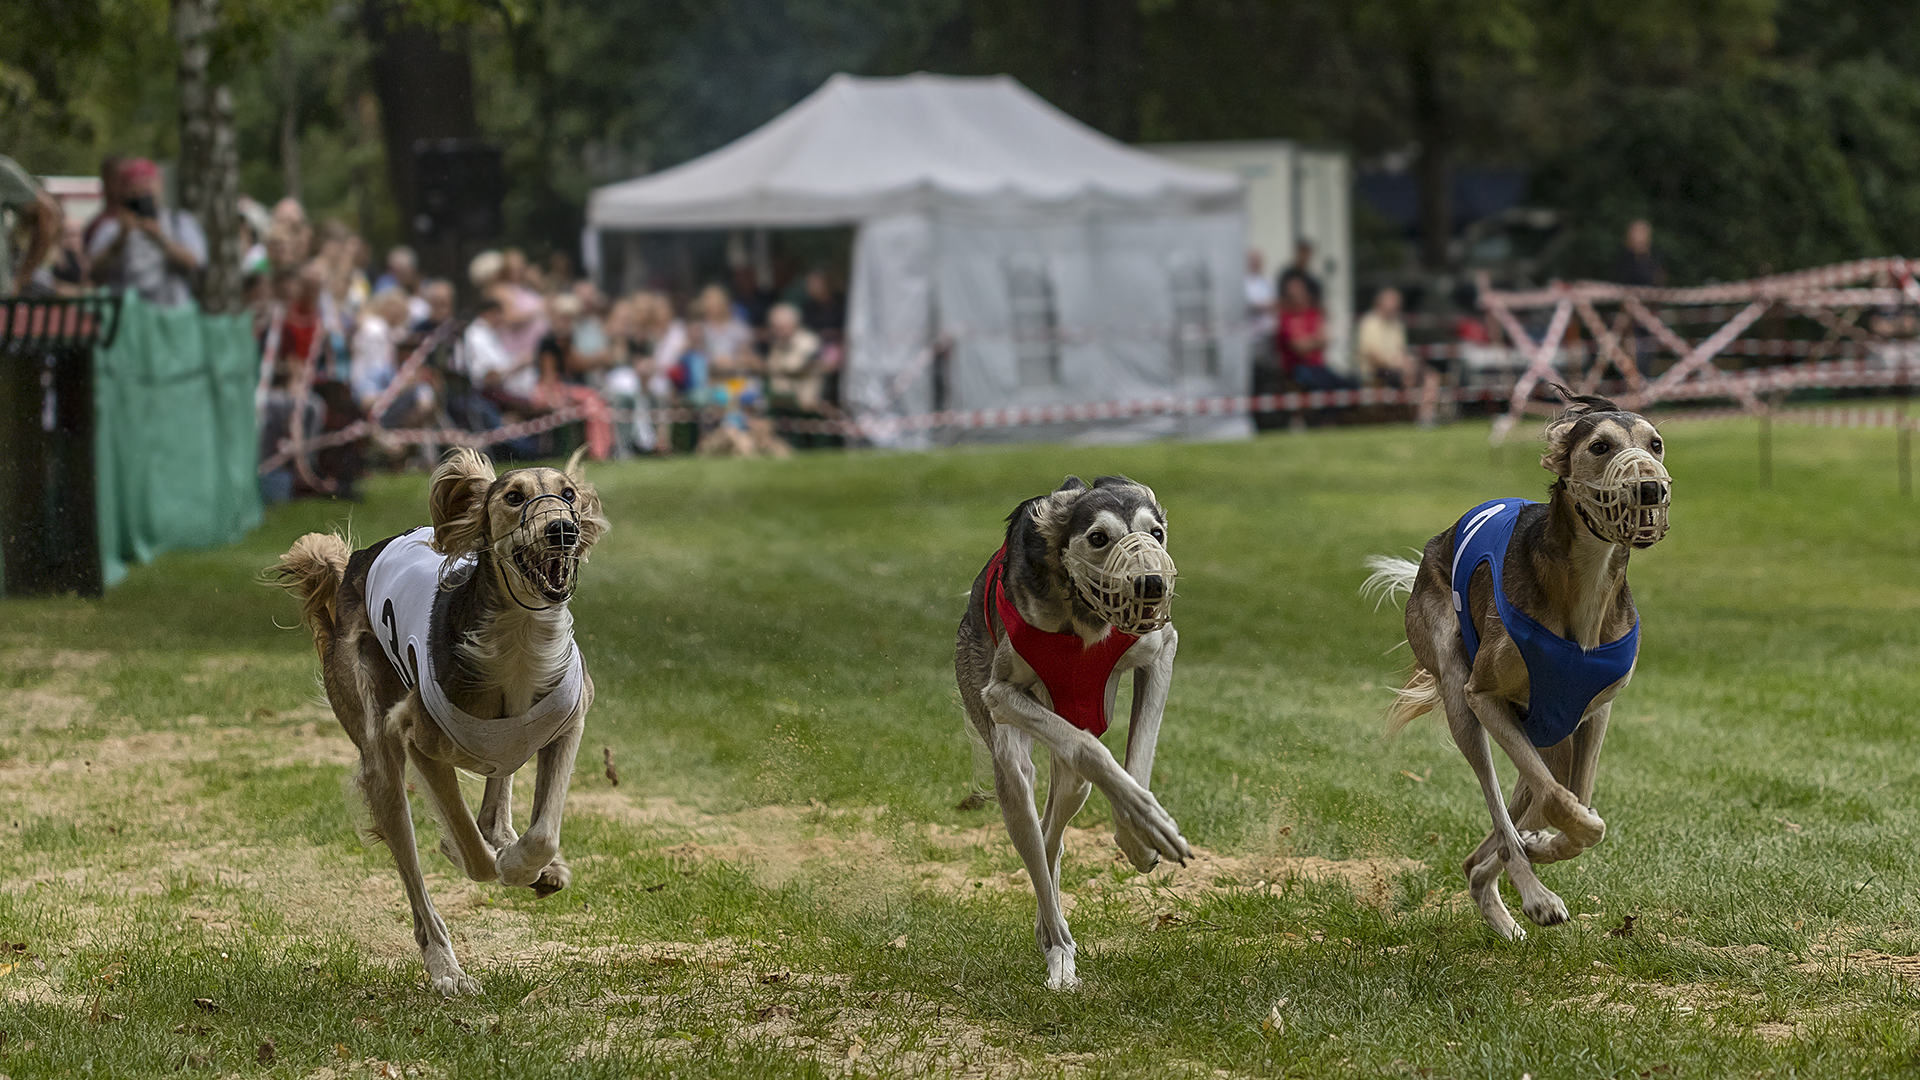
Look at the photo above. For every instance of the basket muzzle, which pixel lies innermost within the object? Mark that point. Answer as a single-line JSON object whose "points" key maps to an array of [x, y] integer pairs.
{"points": [[544, 548], [1132, 589], [1628, 504]]}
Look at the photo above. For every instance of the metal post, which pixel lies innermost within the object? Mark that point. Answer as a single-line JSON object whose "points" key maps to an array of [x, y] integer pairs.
{"points": [[1906, 456], [1766, 449]]}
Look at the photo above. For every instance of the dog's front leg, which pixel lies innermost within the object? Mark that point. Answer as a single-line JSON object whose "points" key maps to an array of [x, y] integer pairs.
{"points": [[383, 779], [1013, 775], [534, 859], [1579, 762], [1150, 686], [1086, 756], [1490, 715], [1562, 808], [460, 839]]}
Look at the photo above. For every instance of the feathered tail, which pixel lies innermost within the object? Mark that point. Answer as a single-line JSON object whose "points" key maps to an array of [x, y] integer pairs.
{"points": [[312, 569], [1392, 582]]}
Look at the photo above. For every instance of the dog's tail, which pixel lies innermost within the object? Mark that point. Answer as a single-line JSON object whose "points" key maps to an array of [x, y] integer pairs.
{"points": [[1392, 582], [312, 569]]}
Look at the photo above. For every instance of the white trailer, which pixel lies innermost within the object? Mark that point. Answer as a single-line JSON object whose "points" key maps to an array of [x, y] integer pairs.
{"points": [[1293, 192]]}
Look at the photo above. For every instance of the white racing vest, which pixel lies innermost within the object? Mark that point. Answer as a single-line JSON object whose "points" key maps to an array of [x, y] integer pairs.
{"points": [[401, 587]]}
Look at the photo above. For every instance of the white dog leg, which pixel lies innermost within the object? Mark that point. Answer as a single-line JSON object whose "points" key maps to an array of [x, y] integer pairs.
{"points": [[1562, 808], [1483, 871], [1013, 785], [1150, 685], [534, 858], [460, 839], [495, 818], [1067, 792]]}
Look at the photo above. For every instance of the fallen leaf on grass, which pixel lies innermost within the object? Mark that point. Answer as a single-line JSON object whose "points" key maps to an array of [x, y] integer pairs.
{"points": [[7, 968], [898, 943], [195, 1029], [1625, 929], [1416, 777], [536, 994], [856, 1048], [264, 1055], [99, 1015], [772, 977], [1791, 827], [769, 1012], [1275, 1024], [613, 775]]}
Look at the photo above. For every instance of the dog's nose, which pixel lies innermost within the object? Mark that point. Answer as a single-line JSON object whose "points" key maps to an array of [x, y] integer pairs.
{"points": [[1652, 493], [1150, 587], [562, 533]]}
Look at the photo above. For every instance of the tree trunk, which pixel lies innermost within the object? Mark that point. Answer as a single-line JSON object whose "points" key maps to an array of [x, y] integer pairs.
{"points": [[209, 173], [1433, 167], [424, 80]]}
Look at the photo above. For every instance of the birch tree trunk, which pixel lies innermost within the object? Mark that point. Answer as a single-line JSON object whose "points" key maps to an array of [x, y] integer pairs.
{"points": [[209, 173]]}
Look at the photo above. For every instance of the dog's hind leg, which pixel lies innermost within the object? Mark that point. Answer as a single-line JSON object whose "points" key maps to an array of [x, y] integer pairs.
{"points": [[1013, 774], [495, 818], [534, 859], [1560, 807], [460, 839], [1067, 792], [1578, 760], [383, 778], [1484, 865]]}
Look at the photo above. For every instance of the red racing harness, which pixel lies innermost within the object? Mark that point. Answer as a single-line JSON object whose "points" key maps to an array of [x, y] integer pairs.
{"points": [[1074, 673]]}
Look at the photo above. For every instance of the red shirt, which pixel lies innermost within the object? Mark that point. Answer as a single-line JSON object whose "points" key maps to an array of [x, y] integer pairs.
{"points": [[1298, 323], [1074, 673]]}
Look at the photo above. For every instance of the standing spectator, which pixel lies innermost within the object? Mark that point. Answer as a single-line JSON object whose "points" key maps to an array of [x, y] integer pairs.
{"points": [[289, 236], [824, 311], [146, 249], [1302, 268], [1260, 299], [1636, 263], [34, 208]]}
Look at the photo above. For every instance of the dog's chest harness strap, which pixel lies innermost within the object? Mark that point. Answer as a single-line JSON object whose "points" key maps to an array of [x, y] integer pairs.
{"points": [[1074, 674], [402, 585], [1562, 678]]}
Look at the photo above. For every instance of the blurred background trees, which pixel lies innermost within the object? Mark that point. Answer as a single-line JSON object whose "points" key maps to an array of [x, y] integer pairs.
{"points": [[1755, 134]]}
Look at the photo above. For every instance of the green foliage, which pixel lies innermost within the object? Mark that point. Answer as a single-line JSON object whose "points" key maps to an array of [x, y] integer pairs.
{"points": [[1785, 168]]}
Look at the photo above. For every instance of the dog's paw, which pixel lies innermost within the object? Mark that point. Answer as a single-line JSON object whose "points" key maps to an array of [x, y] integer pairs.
{"points": [[555, 877], [1143, 858], [1060, 974], [1494, 910], [459, 984], [1548, 847], [1582, 826], [1138, 812], [521, 865], [1546, 909]]}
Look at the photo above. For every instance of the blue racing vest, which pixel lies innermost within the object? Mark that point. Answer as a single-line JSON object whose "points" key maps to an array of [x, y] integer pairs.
{"points": [[1562, 678]]}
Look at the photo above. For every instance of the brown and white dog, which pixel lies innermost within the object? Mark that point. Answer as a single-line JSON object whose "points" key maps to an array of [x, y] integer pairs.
{"points": [[451, 647], [1079, 594], [1523, 628]]}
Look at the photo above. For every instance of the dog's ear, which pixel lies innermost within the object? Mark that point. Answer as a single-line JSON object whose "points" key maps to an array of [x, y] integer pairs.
{"points": [[457, 501], [1052, 513], [586, 503]]}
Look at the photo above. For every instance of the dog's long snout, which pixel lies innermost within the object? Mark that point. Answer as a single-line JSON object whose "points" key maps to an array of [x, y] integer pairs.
{"points": [[1149, 587], [562, 533], [1652, 493]]}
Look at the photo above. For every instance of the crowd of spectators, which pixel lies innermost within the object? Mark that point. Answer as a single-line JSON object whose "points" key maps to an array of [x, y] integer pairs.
{"points": [[539, 340]]}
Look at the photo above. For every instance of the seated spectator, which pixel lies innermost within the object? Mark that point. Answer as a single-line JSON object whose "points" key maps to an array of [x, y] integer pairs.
{"points": [[561, 376], [1302, 337], [824, 311], [110, 196], [1380, 349], [728, 340], [506, 381], [289, 236], [523, 312], [149, 250], [376, 361], [794, 375]]}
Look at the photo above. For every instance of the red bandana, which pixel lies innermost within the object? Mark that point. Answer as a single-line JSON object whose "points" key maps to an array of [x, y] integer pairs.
{"points": [[1074, 673]]}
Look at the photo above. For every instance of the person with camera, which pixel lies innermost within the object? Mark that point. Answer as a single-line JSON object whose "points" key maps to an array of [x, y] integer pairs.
{"points": [[143, 249]]}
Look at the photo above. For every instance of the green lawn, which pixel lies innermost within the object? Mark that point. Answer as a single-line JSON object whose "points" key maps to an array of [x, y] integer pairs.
{"points": [[781, 884]]}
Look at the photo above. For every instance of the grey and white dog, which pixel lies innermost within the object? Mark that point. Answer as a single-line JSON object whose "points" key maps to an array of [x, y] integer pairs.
{"points": [[1080, 593]]}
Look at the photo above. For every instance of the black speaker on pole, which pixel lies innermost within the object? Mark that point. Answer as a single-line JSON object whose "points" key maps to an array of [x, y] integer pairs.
{"points": [[458, 185]]}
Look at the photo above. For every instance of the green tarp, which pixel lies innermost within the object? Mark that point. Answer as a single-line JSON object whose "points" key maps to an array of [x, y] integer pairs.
{"points": [[175, 442]]}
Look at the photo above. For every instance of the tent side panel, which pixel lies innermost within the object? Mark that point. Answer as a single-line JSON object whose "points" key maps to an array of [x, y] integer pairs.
{"points": [[889, 371]]}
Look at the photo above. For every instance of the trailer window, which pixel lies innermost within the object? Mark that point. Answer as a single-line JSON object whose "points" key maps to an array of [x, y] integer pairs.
{"points": [[1035, 319], [1196, 349]]}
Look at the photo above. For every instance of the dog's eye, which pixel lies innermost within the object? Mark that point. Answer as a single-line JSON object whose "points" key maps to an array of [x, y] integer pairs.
{"points": [[1159, 535], [1097, 538], [1657, 446], [567, 494], [514, 498], [1601, 447]]}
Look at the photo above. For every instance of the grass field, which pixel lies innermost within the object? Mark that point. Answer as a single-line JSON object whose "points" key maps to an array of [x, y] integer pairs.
{"points": [[780, 884]]}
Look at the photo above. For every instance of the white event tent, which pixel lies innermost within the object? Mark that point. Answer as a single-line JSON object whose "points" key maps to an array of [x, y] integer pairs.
{"points": [[1006, 255]]}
